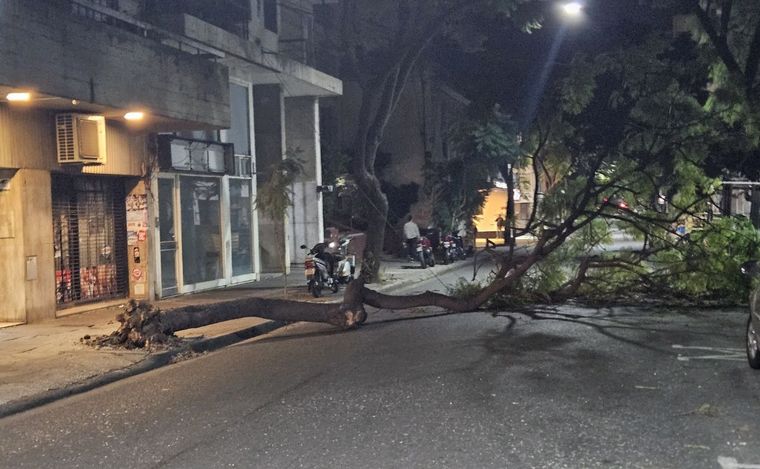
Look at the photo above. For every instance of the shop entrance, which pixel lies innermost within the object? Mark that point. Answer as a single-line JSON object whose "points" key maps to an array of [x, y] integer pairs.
{"points": [[89, 239], [206, 232]]}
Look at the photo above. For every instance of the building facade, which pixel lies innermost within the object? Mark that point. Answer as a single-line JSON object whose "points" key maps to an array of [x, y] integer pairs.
{"points": [[133, 136]]}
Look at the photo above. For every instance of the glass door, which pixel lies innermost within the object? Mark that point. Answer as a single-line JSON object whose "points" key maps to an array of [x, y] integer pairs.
{"points": [[201, 235], [167, 237], [241, 228]]}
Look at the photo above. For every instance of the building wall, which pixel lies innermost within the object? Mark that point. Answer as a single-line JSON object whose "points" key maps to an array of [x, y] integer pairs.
{"points": [[46, 48], [27, 142], [12, 293], [27, 286], [36, 203], [269, 124], [302, 131]]}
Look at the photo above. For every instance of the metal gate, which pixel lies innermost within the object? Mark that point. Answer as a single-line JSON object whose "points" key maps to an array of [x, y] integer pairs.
{"points": [[89, 230]]}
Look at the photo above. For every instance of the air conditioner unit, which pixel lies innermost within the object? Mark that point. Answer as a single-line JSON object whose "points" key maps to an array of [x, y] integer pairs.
{"points": [[242, 165], [81, 139]]}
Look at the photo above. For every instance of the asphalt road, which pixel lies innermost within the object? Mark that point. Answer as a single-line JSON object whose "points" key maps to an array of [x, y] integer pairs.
{"points": [[552, 387]]}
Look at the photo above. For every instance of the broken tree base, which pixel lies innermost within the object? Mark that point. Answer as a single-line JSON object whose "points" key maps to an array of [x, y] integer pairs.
{"points": [[143, 325]]}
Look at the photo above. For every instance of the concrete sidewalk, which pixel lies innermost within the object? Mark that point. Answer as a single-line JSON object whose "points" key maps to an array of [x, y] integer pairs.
{"points": [[45, 361]]}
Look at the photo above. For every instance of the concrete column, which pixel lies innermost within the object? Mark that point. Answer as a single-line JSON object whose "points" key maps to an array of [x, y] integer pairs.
{"points": [[138, 248], [39, 262], [269, 115], [12, 291], [302, 139]]}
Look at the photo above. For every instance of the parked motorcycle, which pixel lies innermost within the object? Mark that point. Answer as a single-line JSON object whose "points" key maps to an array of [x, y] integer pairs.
{"points": [[425, 252], [457, 245], [447, 250], [328, 269]]}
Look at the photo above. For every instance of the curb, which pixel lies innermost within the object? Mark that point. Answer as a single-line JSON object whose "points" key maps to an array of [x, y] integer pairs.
{"points": [[426, 274], [161, 359], [151, 362]]}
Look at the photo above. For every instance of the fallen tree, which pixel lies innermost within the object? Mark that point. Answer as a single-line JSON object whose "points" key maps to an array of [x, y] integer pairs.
{"points": [[144, 325], [631, 148]]}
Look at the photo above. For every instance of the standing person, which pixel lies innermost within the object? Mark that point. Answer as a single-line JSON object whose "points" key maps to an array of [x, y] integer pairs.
{"points": [[500, 226], [411, 235]]}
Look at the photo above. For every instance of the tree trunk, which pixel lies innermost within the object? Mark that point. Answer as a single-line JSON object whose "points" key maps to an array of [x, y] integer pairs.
{"points": [[510, 208], [376, 207], [754, 209], [143, 325]]}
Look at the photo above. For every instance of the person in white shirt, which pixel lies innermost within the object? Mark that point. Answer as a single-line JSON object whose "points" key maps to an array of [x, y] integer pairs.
{"points": [[411, 235]]}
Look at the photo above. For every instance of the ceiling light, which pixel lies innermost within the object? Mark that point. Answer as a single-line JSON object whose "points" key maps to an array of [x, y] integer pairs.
{"points": [[134, 115], [18, 96]]}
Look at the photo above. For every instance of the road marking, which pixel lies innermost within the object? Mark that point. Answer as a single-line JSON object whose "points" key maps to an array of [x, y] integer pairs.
{"points": [[732, 463], [720, 353]]}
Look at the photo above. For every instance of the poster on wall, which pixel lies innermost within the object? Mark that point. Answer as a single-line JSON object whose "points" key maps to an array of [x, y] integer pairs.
{"points": [[137, 217]]}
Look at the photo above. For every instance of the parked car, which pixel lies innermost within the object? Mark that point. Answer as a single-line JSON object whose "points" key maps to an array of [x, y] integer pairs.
{"points": [[752, 268]]}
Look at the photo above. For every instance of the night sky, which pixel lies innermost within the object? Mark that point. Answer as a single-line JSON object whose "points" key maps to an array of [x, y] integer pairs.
{"points": [[511, 62]]}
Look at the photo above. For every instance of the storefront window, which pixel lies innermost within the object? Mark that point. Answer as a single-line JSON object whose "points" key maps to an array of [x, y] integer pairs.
{"points": [[240, 224], [201, 230]]}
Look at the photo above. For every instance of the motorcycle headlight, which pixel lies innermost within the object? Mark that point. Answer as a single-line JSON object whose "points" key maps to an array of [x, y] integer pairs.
{"points": [[333, 245]]}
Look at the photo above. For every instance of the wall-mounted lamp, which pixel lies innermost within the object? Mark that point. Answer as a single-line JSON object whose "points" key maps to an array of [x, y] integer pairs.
{"points": [[134, 116], [18, 96], [325, 188]]}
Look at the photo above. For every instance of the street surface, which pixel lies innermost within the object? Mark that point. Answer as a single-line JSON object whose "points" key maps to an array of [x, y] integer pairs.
{"points": [[550, 387]]}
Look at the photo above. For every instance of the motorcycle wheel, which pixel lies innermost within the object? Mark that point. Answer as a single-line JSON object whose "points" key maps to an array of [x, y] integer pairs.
{"points": [[753, 346], [431, 260], [335, 286], [444, 258], [423, 264], [315, 286]]}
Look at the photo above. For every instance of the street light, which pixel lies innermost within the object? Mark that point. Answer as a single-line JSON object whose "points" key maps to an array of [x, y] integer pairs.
{"points": [[572, 9]]}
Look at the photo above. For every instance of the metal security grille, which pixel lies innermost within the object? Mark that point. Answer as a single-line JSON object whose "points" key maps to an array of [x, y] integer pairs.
{"points": [[89, 230]]}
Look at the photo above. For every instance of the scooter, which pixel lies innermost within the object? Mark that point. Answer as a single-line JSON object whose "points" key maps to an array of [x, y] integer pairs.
{"points": [[325, 269], [346, 263]]}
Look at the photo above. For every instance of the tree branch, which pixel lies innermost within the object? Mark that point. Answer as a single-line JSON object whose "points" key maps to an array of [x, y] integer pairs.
{"points": [[719, 42]]}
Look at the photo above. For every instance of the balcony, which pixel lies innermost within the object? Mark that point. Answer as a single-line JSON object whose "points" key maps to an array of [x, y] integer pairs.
{"points": [[230, 15], [268, 67], [110, 61]]}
